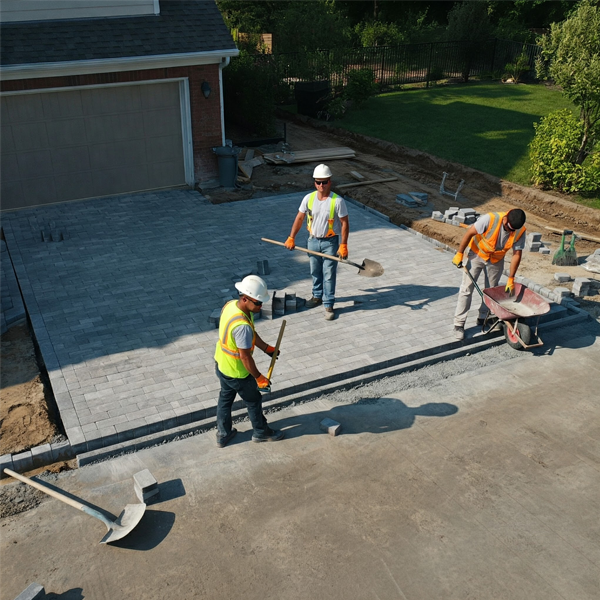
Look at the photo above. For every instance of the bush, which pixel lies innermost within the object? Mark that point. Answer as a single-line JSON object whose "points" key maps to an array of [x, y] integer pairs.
{"points": [[361, 86], [554, 151], [515, 70]]}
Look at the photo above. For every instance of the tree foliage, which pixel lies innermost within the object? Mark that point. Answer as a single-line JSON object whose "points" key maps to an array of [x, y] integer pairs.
{"points": [[571, 57]]}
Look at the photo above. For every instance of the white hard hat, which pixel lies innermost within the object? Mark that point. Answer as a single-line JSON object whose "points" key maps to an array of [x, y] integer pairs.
{"points": [[322, 172], [254, 287]]}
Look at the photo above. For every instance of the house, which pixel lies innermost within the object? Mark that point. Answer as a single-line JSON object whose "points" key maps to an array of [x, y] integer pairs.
{"points": [[102, 97]]}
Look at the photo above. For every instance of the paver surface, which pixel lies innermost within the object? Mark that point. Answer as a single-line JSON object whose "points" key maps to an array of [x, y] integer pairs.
{"points": [[120, 290], [482, 485]]}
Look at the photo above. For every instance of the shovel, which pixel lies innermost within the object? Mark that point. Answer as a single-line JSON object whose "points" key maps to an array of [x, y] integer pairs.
{"points": [[369, 268], [117, 529], [267, 390]]}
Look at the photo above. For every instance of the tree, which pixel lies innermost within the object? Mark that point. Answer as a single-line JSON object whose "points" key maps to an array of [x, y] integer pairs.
{"points": [[571, 57], [468, 22]]}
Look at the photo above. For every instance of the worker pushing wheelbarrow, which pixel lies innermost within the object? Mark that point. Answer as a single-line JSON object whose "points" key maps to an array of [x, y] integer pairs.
{"points": [[513, 313]]}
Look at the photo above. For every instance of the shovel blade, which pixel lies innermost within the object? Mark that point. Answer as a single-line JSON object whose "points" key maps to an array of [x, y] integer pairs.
{"points": [[370, 268], [132, 514]]}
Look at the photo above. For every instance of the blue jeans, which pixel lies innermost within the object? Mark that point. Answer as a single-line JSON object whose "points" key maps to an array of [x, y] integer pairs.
{"points": [[248, 391], [323, 270]]}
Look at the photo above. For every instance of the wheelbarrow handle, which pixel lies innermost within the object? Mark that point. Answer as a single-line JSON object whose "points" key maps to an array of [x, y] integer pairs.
{"points": [[474, 282]]}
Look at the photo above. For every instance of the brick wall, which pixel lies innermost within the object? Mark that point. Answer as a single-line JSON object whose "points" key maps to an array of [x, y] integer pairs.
{"points": [[205, 112]]}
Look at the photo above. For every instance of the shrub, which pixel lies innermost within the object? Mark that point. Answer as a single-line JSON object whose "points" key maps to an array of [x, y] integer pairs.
{"points": [[554, 151], [515, 70], [361, 85]]}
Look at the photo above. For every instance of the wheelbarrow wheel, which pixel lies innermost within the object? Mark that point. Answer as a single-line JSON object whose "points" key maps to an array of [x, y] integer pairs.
{"points": [[524, 332]]}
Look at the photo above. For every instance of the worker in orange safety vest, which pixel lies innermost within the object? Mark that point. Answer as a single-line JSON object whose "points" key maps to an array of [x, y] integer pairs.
{"points": [[488, 240]]}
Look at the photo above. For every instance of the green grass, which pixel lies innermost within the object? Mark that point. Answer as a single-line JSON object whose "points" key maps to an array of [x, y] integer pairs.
{"points": [[487, 126]]}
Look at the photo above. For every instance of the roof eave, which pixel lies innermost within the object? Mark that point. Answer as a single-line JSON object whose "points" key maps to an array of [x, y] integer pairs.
{"points": [[112, 65]]}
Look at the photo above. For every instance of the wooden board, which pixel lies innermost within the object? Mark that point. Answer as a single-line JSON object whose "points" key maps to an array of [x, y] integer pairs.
{"points": [[367, 182], [247, 166], [321, 154], [356, 175]]}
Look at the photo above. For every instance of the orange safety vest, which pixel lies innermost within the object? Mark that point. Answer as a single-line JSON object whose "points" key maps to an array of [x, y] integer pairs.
{"points": [[227, 354], [484, 245], [309, 215]]}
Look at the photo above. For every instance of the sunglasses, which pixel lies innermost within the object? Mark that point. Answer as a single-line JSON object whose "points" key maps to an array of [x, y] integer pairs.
{"points": [[325, 182], [255, 302]]}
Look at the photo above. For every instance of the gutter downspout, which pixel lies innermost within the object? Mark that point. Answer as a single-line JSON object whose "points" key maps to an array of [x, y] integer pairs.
{"points": [[224, 62]]}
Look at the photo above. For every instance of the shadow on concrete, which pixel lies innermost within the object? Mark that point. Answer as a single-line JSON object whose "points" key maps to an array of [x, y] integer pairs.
{"points": [[169, 490], [72, 594], [581, 335], [370, 415], [150, 531]]}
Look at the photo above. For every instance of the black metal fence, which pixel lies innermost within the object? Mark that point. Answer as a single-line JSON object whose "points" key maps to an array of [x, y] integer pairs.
{"points": [[396, 65]]}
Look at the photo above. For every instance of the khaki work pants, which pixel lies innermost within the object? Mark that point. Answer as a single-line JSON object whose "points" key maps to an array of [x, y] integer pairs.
{"points": [[492, 274]]}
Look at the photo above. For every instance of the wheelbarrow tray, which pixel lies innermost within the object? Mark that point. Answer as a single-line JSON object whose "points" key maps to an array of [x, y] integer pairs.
{"points": [[525, 303]]}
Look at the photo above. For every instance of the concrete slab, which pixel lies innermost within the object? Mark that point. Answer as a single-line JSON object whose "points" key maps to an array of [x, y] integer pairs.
{"points": [[122, 307], [482, 484]]}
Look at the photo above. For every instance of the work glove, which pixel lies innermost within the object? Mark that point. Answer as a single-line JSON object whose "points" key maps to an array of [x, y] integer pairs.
{"points": [[510, 286], [290, 244], [343, 251], [458, 259], [262, 382], [270, 350]]}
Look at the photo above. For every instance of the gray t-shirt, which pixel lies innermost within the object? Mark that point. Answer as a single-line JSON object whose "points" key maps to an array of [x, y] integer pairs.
{"points": [[242, 335], [481, 226], [320, 212]]}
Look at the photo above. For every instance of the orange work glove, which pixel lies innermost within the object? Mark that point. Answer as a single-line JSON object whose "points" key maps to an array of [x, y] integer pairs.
{"points": [[262, 382], [457, 260], [510, 286], [343, 251], [290, 244], [270, 350]]}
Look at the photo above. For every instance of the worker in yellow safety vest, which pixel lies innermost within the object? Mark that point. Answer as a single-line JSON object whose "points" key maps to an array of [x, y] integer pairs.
{"points": [[235, 366], [328, 228], [488, 240]]}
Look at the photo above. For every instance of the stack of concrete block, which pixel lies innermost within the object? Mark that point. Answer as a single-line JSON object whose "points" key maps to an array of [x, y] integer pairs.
{"points": [[561, 292], [146, 487], [267, 307], [290, 301], [450, 214], [562, 277], [436, 215], [263, 267], [279, 303], [330, 426], [533, 242], [582, 287], [466, 216], [412, 199]]}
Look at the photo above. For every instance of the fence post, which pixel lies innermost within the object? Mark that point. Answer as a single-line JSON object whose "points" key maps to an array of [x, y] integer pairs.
{"points": [[429, 66]]}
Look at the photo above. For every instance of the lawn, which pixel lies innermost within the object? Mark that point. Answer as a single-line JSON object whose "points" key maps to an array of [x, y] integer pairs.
{"points": [[487, 126]]}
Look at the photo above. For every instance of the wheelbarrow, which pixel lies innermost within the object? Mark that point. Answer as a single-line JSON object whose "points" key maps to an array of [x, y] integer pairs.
{"points": [[513, 313]]}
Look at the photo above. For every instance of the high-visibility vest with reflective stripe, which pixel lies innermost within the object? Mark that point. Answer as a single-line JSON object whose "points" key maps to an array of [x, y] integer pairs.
{"points": [[484, 245], [227, 354], [309, 215]]}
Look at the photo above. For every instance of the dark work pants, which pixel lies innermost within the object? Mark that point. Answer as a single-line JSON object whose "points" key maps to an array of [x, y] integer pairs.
{"points": [[252, 398]]}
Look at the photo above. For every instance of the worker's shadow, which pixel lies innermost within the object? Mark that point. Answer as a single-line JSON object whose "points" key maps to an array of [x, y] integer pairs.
{"points": [[377, 415], [415, 297]]}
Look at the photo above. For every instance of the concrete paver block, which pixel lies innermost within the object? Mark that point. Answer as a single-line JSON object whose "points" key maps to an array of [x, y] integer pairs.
{"points": [[145, 481], [22, 461], [561, 292], [330, 426], [33, 591], [562, 277], [6, 462], [41, 455]]}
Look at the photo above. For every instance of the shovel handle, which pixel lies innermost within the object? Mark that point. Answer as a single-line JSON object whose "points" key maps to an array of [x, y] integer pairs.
{"points": [[473, 280], [274, 358], [329, 256], [46, 490]]}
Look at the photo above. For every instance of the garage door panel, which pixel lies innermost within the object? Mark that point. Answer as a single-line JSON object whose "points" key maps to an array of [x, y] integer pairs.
{"points": [[159, 95], [113, 181], [70, 160], [62, 105], [10, 167], [30, 136], [129, 153], [160, 149], [11, 194], [165, 174], [102, 101], [7, 142], [28, 108], [108, 128], [76, 185], [35, 164], [162, 122], [66, 132], [39, 191]]}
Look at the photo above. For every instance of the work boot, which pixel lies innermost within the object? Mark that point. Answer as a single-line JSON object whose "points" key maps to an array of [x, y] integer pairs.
{"points": [[222, 442], [270, 436], [314, 302], [329, 314], [459, 332]]}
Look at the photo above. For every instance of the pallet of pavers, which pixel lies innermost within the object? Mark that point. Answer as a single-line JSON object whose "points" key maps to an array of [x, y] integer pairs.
{"points": [[302, 156]]}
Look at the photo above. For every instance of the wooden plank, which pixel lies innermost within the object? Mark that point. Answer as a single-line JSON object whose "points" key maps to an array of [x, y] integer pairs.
{"points": [[249, 154], [245, 169], [368, 182], [583, 236], [356, 175]]}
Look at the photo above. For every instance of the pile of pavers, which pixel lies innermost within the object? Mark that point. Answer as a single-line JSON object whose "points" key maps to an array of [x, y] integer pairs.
{"points": [[412, 199], [533, 243], [456, 216], [582, 286]]}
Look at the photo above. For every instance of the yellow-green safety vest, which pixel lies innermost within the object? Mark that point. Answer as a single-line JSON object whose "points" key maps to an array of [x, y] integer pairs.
{"points": [[309, 215], [226, 353]]}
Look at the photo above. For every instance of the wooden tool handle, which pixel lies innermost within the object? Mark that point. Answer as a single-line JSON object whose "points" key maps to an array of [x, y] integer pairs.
{"points": [[46, 490], [331, 257], [274, 357]]}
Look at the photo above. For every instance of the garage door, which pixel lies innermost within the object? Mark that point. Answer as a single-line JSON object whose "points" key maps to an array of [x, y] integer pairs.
{"points": [[89, 142]]}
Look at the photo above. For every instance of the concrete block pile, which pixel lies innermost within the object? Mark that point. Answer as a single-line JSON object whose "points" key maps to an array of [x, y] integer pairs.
{"points": [[146, 487], [533, 243], [456, 216], [412, 199], [280, 303], [582, 286]]}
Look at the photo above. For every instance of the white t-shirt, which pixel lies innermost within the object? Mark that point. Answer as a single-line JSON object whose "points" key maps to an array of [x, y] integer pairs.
{"points": [[481, 226], [320, 212]]}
